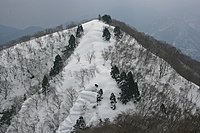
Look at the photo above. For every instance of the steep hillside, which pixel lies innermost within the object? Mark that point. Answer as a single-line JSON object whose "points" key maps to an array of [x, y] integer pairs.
{"points": [[72, 94], [23, 67], [183, 64]]}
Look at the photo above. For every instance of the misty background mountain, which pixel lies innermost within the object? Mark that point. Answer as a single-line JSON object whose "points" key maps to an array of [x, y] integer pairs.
{"points": [[8, 33], [181, 32]]}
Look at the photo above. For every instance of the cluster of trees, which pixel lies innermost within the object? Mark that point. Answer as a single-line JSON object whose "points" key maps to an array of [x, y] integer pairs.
{"points": [[106, 18], [106, 33], [56, 69], [80, 125], [112, 98], [129, 88], [58, 63], [157, 111], [80, 122], [7, 116], [136, 123], [72, 42]]}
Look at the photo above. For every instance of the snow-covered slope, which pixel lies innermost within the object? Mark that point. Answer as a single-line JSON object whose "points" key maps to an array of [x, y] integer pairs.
{"points": [[157, 80], [130, 53], [86, 104], [23, 66], [73, 92], [74, 87]]}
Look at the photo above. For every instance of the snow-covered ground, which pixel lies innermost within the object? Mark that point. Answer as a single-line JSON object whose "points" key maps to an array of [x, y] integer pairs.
{"points": [[20, 62], [23, 66], [158, 82], [86, 104], [73, 92]]}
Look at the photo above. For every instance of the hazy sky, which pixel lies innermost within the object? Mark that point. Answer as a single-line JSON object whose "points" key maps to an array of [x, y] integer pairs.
{"points": [[49, 13]]}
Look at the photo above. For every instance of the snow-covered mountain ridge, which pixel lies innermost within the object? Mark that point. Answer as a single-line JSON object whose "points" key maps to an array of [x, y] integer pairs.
{"points": [[91, 43], [72, 92]]}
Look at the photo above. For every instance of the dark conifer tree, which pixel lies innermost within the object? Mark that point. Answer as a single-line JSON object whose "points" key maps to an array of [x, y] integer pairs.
{"points": [[72, 42], [100, 92], [129, 88], [79, 31], [123, 96], [81, 28], [25, 97], [107, 19], [122, 83], [106, 34], [114, 72], [71, 45], [113, 101], [133, 88], [58, 64], [122, 77], [163, 109], [117, 31], [99, 96], [67, 52], [6, 116], [124, 86], [45, 85]]}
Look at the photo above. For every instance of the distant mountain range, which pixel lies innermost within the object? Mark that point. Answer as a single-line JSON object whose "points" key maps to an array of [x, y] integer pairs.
{"points": [[9, 33], [183, 33]]}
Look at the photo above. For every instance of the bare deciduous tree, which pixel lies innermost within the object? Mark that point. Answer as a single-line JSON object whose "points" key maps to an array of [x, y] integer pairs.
{"points": [[90, 56]]}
